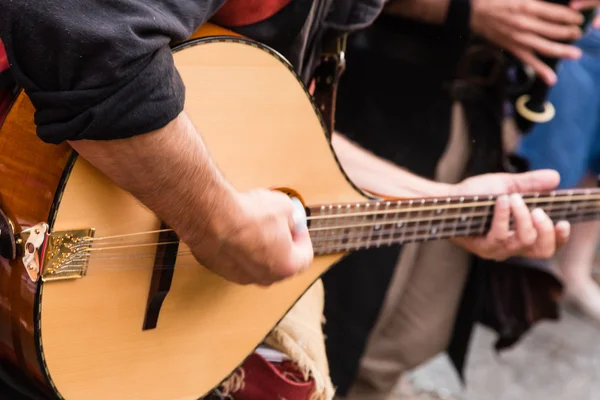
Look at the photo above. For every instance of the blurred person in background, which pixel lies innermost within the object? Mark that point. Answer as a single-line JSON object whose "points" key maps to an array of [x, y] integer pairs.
{"points": [[570, 144], [420, 93]]}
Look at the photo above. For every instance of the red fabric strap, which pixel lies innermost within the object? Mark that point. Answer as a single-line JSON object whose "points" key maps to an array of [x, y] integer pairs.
{"points": [[3, 59], [5, 95], [266, 381], [246, 12]]}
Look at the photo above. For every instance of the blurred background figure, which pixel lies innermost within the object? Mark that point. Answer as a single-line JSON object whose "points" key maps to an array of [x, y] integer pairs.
{"points": [[425, 88], [570, 144]]}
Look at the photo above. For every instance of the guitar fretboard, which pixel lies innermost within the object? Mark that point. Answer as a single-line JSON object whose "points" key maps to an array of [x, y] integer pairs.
{"points": [[344, 227]]}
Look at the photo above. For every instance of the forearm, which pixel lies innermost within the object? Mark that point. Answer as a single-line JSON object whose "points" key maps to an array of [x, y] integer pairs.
{"points": [[432, 11], [378, 176], [170, 171]]}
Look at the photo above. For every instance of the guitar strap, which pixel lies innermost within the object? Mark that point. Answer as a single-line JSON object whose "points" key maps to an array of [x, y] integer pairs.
{"points": [[327, 76]]}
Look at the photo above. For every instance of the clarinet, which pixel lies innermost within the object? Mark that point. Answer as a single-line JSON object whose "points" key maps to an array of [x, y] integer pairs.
{"points": [[533, 107]]}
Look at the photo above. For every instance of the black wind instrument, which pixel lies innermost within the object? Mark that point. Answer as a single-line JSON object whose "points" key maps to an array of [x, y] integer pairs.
{"points": [[533, 106]]}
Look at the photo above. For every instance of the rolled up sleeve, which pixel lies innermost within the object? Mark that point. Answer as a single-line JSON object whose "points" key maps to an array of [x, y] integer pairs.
{"points": [[99, 70]]}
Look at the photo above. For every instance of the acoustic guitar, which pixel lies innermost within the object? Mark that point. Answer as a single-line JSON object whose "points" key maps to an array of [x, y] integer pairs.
{"points": [[100, 300]]}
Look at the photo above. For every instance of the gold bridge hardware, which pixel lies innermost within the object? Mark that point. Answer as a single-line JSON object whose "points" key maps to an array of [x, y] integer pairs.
{"points": [[67, 254], [64, 254]]}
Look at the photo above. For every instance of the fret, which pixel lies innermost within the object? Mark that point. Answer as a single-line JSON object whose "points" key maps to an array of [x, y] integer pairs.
{"points": [[567, 204], [472, 211], [573, 209], [330, 223], [550, 206], [359, 240], [465, 219], [384, 225], [596, 212], [594, 205], [341, 236], [390, 224], [402, 226], [408, 224], [415, 223], [535, 204], [422, 222], [319, 224], [459, 217], [544, 205], [337, 233], [348, 232], [489, 212], [397, 224], [318, 234], [337, 230], [376, 225], [443, 213], [369, 228], [429, 225], [583, 214], [583, 203]]}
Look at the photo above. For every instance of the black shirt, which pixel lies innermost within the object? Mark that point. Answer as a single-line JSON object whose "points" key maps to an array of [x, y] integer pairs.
{"points": [[98, 69], [103, 69]]}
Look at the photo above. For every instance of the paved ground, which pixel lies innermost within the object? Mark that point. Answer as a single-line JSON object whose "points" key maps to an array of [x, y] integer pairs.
{"points": [[556, 361]]}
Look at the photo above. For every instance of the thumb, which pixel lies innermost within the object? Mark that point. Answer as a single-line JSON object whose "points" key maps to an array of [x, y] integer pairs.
{"points": [[302, 252], [302, 249], [297, 255], [532, 181]]}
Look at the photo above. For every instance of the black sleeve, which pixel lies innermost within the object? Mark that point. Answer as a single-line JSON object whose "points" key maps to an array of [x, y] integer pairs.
{"points": [[99, 69]]}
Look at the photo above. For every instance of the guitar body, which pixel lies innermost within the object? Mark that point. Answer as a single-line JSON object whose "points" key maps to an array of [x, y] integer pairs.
{"points": [[83, 338]]}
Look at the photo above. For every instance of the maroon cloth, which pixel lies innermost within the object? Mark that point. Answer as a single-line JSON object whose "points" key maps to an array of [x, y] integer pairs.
{"points": [[3, 59], [5, 94], [246, 12], [267, 381]]}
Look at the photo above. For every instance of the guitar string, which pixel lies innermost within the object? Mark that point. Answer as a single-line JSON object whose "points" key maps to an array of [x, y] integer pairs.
{"points": [[324, 250], [441, 204], [550, 199], [441, 218], [473, 224], [415, 232], [405, 232]]}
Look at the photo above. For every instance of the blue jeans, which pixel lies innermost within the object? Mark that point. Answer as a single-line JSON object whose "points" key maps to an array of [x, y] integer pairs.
{"points": [[570, 143]]}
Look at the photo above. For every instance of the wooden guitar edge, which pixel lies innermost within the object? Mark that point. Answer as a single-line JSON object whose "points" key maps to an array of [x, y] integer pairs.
{"points": [[29, 193]]}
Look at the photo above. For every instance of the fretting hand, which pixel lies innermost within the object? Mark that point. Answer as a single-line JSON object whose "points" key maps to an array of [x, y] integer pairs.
{"points": [[534, 235], [258, 240]]}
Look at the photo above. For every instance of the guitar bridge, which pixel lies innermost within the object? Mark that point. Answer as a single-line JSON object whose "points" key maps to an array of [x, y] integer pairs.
{"points": [[63, 255]]}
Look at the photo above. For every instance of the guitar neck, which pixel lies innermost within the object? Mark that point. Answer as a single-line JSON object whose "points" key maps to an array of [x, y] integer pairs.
{"points": [[344, 227]]}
